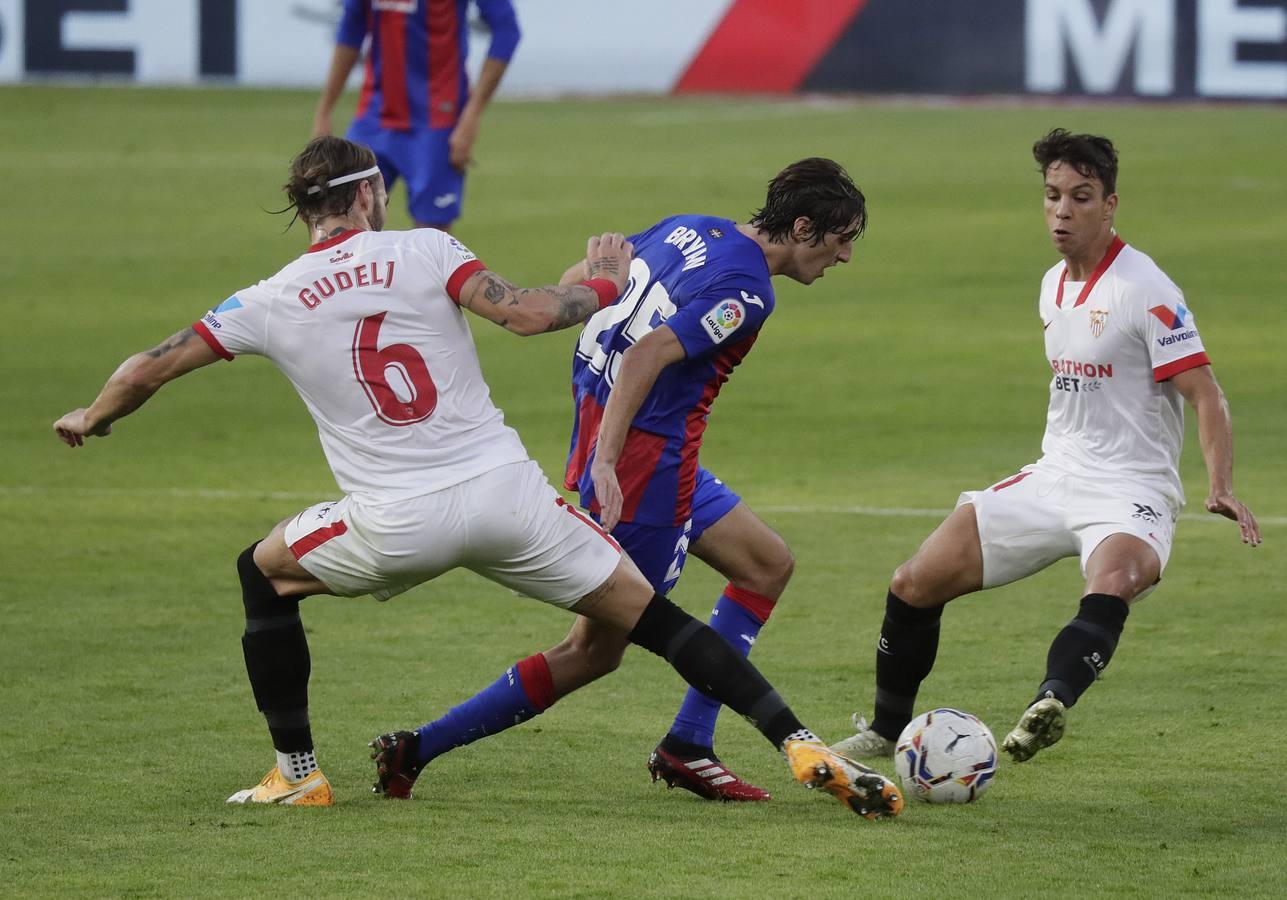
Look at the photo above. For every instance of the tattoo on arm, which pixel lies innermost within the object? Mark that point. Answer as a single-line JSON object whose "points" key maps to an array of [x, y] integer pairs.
{"points": [[603, 268], [173, 343], [576, 304]]}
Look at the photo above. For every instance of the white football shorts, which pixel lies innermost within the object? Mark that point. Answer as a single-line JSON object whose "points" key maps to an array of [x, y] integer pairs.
{"points": [[508, 525], [1040, 515]]}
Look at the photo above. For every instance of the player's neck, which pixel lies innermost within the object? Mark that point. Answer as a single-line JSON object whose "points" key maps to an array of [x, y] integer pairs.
{"points": [[776, 255], [1081, 265], [333, 226]]}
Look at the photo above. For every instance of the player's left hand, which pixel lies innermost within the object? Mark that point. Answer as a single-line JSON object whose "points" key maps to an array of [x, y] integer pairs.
{"points": [[607, 490], [460, 145], [1231, 507], [72, 429]]}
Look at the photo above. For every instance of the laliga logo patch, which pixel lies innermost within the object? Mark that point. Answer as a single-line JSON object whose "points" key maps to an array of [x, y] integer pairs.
{"points": [[465, 253], [724, 319], [1098, 321], [1173, 320]]}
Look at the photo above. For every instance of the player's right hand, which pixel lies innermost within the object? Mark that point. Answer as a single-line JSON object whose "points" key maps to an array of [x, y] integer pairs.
{"points": [[72, 429], [608, 492], [1231, 507], [608, 256]]}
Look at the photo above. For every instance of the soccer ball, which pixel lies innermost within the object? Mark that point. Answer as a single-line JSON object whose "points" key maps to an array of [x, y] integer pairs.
{"points": [[946, 756]]}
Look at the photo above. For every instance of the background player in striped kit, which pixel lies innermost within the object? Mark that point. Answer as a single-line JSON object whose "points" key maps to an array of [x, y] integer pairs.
{"points": [[1125, 352], [417, 110]]}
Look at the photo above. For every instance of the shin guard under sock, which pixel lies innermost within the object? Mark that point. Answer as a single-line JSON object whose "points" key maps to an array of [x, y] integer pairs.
{"points": [[707, 662], [277, 659], [904, 657], [1081, 651]]}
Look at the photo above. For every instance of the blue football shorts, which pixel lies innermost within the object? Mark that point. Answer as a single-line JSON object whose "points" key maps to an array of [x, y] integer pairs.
{"points": [[422, 158], [661, 551]]}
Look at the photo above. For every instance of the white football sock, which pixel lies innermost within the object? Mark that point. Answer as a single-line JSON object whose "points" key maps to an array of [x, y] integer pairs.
{"points": [[296, 766]]}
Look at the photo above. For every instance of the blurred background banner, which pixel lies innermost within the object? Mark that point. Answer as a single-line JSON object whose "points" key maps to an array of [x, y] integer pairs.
{"points": [[1183, 49]]}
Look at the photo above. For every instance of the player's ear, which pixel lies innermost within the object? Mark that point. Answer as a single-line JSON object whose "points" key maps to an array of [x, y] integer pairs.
{"points": [[1110, 206], [802, 230]]}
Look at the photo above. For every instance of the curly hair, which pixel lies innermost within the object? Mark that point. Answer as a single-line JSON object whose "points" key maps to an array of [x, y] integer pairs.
{"points": [[818, 189]]}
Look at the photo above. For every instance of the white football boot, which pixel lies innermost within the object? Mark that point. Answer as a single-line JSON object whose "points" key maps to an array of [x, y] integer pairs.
{"points": [[1040, 726], [866, 744]]}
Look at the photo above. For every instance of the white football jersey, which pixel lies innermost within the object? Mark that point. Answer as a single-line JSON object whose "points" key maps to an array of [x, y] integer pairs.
{"points": [[366, 327], [1113, 342]]}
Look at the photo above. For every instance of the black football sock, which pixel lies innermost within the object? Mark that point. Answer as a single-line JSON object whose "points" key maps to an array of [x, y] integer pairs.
{"points": [[707, 662], [904, 657], [1082, 650], [277, 659]]}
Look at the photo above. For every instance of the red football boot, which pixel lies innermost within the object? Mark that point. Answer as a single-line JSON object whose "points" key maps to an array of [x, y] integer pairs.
{"points": [[396, 768], [704, 776]]}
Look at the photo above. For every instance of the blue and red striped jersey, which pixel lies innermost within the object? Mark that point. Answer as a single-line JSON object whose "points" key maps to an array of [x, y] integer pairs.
{"points": [[709, 284], [415, 65]]}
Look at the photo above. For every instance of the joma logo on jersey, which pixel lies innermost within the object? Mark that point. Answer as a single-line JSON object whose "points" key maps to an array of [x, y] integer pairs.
{"points": [[365, 275], [1172, 319], [687, 242]]}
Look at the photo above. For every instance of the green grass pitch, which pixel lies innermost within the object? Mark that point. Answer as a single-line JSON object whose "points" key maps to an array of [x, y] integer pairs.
{"points": [[896, 382]]}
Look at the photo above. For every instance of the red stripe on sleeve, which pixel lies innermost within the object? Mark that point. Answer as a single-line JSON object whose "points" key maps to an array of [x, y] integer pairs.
{"points": [[767, 46], [207, 336], [443, 25], [315, 539], [395, 113], [1171, 369], [460, 276]]}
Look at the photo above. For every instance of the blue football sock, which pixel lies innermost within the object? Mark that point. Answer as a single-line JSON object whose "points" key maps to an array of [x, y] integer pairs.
{"points": [[524, 691], [738, 624]]}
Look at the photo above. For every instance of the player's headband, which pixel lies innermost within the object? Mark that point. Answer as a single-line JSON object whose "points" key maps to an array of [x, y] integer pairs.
{"points": [[345, 179]]}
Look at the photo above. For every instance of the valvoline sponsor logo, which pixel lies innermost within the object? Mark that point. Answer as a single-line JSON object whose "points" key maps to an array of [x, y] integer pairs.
{"points": [[1171, 318], [1168, 340]]}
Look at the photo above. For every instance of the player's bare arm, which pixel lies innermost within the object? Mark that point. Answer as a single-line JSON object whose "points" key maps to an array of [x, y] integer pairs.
{"points": [[528, 311], [640, 367], [1215, 434], [342, 62], [461, 142], [133, 382]]}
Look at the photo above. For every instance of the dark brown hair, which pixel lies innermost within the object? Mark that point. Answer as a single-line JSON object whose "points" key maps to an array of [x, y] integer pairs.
{"points": [[819, 189], [1089, 154], [325, 158]]}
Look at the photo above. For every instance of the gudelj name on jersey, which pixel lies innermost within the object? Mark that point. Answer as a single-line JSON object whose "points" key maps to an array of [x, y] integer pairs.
{"points": [[364, 275], [688, 243]]}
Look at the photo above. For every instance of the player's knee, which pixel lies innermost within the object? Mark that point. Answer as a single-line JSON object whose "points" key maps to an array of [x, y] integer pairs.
{"points": [[909, 585], [1126, 581], [770, 571]]}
